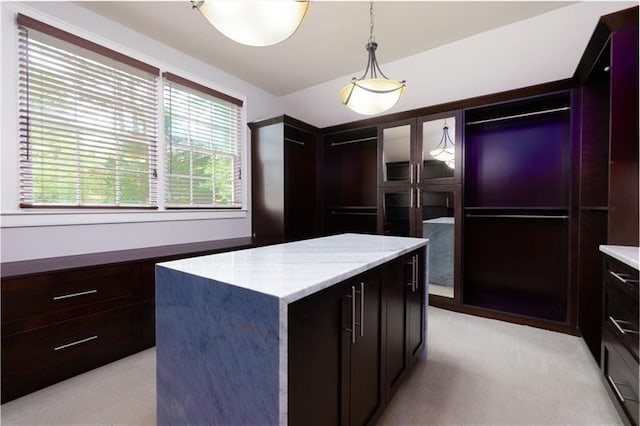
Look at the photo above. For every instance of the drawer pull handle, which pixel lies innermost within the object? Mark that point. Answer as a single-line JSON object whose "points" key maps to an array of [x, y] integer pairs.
{"points": [[82, 293], [622, 278], [623, 331], [614, 385], [77, 342]]}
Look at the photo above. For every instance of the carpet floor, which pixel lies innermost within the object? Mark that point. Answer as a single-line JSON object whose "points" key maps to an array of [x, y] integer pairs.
{"points": [[479, 372]]}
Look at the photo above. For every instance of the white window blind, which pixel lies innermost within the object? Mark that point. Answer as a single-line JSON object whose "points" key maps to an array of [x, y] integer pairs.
{"points": [[203, 146], [88, 122]]}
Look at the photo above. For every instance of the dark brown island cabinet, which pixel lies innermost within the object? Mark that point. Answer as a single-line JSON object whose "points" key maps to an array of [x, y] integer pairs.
{"points": [[352, 345]]}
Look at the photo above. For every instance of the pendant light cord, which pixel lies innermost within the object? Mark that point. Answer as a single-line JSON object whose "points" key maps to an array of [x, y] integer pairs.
{"points": [[372, 39]]}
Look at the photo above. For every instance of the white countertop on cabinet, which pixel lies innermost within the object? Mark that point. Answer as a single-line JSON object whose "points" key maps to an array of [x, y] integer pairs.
{"points": [[626, 254], [294, 270]]}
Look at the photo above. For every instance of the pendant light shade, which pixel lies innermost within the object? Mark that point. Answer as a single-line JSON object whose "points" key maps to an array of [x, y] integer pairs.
{"points": [[254, 23], [374, 92], [446, 149]]}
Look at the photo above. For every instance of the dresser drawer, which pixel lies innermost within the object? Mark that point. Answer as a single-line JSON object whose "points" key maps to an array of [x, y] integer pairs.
{"points": [[43, 356], [51, 292], [620, 372], [621, 304]]}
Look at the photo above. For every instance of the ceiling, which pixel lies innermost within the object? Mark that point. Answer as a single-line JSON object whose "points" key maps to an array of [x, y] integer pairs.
{"points": [[331, 40]]}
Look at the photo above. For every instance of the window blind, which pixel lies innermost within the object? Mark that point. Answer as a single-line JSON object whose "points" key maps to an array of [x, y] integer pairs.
{"points": [[88, 122], [203, 146]]}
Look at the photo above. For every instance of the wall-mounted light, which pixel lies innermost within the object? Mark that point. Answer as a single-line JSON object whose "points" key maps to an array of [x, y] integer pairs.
{"points": [[254, 23], [375, 92]]}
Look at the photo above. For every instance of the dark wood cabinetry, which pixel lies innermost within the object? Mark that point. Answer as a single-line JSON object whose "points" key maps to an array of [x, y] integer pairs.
{"points": [[349, 177], [351, 345], [606, 179], [64, 316], [283, 179], [516, 204], [619, 350]]}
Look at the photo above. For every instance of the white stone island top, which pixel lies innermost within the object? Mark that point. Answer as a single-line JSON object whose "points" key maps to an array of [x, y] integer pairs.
{"points": [[625, 254], [294, 270]]}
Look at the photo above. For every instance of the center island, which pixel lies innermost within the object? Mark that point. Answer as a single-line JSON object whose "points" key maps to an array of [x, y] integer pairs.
{"points": [[319, 331]]}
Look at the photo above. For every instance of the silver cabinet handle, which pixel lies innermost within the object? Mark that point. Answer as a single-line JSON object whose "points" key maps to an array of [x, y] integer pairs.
{"points": [[361, 309], [68, 296], [77, 342], [411, 199], [352, 330], [622, 331], [418, 173], [415, 274], [419, 198], [614, 385], [411, 173], [622, 279]]}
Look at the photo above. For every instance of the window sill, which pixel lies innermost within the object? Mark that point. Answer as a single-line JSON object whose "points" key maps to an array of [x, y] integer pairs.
{"points": [[24, 219]]}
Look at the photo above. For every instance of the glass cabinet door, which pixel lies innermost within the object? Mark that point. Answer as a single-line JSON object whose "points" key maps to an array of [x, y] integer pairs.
{"points": [[437, 221], [396, 212], [440, 142], [396, 154]]}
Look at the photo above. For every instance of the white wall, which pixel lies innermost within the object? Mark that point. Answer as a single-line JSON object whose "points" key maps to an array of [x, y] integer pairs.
{"points": [[39, 234], [533, 51]]}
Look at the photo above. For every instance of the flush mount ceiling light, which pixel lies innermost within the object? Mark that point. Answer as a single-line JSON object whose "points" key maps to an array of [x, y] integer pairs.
{"points": [[254, 23], [372, 94], [446, 149]]}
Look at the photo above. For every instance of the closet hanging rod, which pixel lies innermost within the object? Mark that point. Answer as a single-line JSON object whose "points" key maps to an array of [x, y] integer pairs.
{"points": [[354, 213], [293, 140], [354, 141], [526, 114], [516, 216]]}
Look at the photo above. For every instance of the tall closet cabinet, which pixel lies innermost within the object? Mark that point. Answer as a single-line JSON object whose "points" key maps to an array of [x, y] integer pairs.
{"points": [[283, 179]]}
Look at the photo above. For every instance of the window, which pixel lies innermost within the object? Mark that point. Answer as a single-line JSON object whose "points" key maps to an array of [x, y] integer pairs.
{"points": [[89, 130], [88, 122], [203, 146]]}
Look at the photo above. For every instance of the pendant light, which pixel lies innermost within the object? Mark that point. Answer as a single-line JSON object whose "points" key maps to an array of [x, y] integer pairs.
{"points": [[446, 149], [374, 93], [254, 23]]}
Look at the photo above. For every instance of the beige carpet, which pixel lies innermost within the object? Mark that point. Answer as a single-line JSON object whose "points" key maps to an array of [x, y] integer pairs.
{"points": [[479, 372]]}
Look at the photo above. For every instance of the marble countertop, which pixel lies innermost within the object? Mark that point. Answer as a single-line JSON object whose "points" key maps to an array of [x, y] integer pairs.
{"points": [[294, 270], [625, 254], [445, 219]]}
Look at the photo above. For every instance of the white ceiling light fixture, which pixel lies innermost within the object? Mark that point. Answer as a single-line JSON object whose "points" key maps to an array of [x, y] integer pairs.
{"points": [[372, 94], [254, 23], [446, 149]]}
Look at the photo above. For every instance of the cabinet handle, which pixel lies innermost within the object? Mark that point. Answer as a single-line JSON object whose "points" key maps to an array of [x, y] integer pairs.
{"points": [[622, 278], [614, 385], [411, 199], [411, 174], [68, 296], [419, 198], [352, 330], [361, 309], [77, 342], [418, 173], [622, 331], [415, 274]]}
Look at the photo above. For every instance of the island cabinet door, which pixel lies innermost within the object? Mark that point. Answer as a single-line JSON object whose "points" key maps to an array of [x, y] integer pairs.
{"points": [[395, 290], [415, 278], [317, 362], [364, 385]]}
